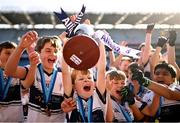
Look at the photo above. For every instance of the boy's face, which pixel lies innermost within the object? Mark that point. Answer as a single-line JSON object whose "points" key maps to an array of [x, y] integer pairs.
{"points": [[123, 66], [84, 85], [115, 87], [48, 56], [4, 55], [163, 76]]}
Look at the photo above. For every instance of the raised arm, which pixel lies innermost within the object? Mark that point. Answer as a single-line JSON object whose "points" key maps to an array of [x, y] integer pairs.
{"points": [[34, 60], [164, 91], [156, 87], [150, 110], [147, 48], [114, 62], [171, 51], [155, 58], [66, 73], [12, 68], [109, 114], [136, 112], [101, 69]]}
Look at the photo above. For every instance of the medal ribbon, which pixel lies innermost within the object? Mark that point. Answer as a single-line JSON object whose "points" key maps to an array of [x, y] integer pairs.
{"points": [[4, 86], [126, 115], [47, 91], [121, 109], [82, 110]]}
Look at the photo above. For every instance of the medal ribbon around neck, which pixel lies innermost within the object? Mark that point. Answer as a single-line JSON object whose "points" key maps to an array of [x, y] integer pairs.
{"points": [[126, 115], [82, 110], [4, 86], [121, 109], [70, 26], [47, 91]]}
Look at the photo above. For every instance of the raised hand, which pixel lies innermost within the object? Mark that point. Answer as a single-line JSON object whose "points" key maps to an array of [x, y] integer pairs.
{"points": [[127, 95], [172, 37], [63, 37], [34, 58], [31, 48], [139, 76], [150, 28], [68, 105], [73, 18], [28, 39], [161, 41]]}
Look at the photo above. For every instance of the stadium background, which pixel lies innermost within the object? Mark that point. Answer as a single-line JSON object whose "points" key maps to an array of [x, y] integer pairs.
{"points": [[122, 25]]}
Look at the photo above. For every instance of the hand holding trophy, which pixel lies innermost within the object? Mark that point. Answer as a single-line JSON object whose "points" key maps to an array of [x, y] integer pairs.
{"points": [[81, 51]]}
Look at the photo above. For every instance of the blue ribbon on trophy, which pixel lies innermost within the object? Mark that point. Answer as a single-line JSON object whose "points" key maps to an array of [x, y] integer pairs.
{"points": [[70, 26]]}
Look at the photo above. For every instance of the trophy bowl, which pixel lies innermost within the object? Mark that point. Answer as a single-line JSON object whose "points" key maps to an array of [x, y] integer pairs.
{"points": [[81, 52]]}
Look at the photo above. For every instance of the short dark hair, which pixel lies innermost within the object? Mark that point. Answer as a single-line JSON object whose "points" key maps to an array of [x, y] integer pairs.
{"points": [[7, 45], [74, 73], [166, 66], [55, 41], [116, 75]]}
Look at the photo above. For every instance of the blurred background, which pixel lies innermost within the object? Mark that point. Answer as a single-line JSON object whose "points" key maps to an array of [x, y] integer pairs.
{"points": [[125, 20]]}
